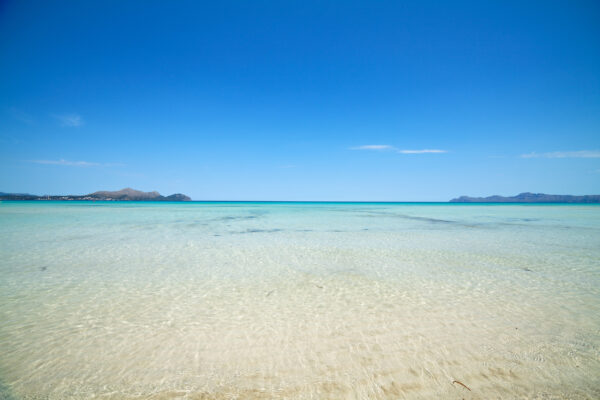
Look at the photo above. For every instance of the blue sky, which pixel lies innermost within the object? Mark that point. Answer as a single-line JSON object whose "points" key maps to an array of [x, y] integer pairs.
{"points": [[300, 100]]}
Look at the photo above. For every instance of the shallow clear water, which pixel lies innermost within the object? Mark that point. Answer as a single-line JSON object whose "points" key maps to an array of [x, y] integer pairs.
{"points": [[298, 300]]}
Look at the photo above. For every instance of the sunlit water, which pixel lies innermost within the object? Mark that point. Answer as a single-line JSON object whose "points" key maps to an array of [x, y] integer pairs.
{"points": [[299, 301]]}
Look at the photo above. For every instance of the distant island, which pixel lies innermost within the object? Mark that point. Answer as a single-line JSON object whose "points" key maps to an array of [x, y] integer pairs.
{"points": [[126, 194], [530, 198]]}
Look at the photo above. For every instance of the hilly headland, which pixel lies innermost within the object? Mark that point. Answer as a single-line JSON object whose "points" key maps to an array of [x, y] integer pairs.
{"points": [[126, 194], [528, 197]]}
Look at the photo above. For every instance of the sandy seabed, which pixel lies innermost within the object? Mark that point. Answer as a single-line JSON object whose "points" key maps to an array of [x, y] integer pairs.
{"points": [[299, 302]]}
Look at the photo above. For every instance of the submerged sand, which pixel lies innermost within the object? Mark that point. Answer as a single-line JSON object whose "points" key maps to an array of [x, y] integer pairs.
{"points": [[302, 302]]}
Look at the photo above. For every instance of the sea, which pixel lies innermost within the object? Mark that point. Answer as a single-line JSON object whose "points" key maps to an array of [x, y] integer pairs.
{"points": [[277, 300]]}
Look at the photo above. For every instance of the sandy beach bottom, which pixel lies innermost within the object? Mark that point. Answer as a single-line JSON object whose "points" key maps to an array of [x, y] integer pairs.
{"points": [[340, 335], [172, 313]]}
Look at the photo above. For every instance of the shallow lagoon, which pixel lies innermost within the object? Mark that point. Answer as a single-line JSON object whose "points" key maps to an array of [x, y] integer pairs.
{"points": [[299, 300]]}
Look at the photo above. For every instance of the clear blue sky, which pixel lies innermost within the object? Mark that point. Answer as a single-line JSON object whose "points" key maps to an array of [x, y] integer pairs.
{"points": [[300, 100]]}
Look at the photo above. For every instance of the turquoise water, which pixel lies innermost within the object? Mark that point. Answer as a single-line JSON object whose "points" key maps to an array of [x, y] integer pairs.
{"points": [[126, 300]]}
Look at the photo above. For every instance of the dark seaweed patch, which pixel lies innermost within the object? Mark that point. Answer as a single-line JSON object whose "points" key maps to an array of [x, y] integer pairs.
{"points": [[262, 230], [427, 219], [257, 231], [410, 217], [235, 218]]}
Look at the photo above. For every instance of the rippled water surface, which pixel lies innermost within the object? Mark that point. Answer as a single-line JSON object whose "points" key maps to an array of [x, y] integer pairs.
{"points": [[299, 301]]}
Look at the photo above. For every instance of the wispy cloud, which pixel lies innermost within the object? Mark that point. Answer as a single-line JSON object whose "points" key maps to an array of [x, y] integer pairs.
{"points": [[67, 163], [564, 154], [424, 151], [76, 163], [381, 147], [21, 115], [69, 120]]}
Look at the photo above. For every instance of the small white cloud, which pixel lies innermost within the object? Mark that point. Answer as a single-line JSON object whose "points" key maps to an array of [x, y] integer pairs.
{"points": [[424, 151], [76, 163], [380, 147], [66, 162], [69, 120], [564, 154], [374, 147]]}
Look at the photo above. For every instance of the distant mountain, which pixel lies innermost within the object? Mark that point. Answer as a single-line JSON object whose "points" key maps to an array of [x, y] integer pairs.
{"points": [[126, 194], [530, 198], [13, 196]]}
